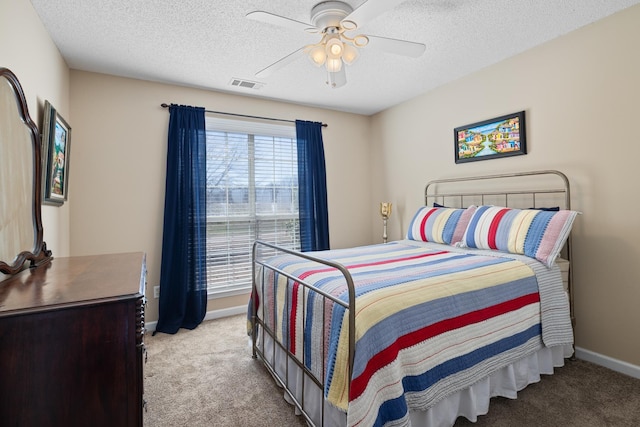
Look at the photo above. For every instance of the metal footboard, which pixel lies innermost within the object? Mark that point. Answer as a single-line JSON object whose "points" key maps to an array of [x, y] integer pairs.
{"points": [[260, 328]]}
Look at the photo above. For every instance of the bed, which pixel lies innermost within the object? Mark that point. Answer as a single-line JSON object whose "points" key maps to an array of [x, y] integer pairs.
{"points": [[470, 305]]}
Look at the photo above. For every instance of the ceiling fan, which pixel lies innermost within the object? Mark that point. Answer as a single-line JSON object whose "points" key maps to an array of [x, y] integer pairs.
{"points": [[333, 20]]}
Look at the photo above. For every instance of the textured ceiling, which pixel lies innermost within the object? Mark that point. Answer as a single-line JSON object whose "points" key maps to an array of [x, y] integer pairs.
{"points": [[207, 43]]}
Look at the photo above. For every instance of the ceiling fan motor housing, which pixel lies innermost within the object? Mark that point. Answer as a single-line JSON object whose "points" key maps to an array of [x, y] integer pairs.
{"points": [[329, 14]]}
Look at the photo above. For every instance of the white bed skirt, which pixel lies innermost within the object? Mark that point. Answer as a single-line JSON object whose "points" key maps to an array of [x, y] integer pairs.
{"points": [[468, 403]]}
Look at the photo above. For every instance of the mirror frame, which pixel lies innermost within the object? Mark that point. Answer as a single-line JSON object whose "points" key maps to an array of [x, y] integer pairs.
{"points": [[39, 255]]}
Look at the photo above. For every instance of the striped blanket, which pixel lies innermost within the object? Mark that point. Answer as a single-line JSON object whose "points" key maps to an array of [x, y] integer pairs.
{"points": [[429, 321]]}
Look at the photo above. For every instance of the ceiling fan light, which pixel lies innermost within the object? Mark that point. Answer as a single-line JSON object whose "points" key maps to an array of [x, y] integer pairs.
{"points": [[335, 48], [334, 65], [317, 55], [350, 54]]}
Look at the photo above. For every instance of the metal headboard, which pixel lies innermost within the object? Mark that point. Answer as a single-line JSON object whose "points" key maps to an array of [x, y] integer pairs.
{"points": [[432, 189], [555, 183]]}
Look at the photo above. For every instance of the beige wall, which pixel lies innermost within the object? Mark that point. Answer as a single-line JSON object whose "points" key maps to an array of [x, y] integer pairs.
{"points": [[28, 51], [580, 93], [119, 161]]}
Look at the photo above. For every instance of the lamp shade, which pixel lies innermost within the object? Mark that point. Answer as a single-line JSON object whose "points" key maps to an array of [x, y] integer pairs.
{"points": [[318, 55], [334, 65], [350, 54]]}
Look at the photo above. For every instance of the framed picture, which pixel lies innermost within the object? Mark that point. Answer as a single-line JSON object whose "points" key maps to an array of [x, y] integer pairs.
{"points": [[56, 141], [502, 136]]}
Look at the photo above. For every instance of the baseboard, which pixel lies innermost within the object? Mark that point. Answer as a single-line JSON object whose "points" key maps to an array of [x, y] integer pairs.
{"points": [[214, 314], [608, 362], [225, 312]]}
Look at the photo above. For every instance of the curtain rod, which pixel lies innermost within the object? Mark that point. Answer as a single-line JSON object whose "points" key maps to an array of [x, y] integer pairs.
{"points": [[324, 125]]}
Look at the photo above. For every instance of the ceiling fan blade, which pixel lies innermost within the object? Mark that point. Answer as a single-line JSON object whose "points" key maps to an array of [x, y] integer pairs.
{"points": [[265, 72], [370, 10], [280, 21], [398, 47]]}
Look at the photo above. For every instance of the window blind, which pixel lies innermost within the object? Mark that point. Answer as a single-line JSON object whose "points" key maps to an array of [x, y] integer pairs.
{"points": [[252, 193]]}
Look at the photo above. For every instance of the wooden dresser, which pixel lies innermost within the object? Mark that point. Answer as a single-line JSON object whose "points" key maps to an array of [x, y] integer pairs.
{"points": [[71, 343]]}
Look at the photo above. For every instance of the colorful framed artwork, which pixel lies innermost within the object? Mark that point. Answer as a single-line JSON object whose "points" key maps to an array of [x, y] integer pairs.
{"points": [[56, 142], [502, 136]]}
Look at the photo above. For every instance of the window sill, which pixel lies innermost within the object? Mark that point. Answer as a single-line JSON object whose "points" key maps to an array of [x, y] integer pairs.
{"points": [[215, 294]]}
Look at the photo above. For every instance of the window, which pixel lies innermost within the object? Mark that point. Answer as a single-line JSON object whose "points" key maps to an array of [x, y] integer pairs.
{"points": [[252, 193]]}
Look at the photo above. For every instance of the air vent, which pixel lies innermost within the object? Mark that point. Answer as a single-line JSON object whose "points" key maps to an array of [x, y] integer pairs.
{"points": [[247, 84]]}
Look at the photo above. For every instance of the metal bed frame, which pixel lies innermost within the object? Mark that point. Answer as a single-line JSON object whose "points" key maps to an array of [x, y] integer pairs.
{"points": [[436, 190]]}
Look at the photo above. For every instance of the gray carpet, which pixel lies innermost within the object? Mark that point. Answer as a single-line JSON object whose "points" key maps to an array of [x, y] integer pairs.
{"points": [[206, 377]]}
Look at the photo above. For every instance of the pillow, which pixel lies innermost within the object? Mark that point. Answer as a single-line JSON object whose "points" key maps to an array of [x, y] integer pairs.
{"points": [[552, 209], [534, 233], [439, 225]]}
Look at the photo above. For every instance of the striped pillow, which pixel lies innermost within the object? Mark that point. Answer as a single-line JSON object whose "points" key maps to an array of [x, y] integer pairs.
{"points": [[534, 233], [439, 225]]}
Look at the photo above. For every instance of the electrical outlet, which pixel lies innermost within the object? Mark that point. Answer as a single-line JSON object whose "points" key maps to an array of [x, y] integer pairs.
{"points": [[156, 291]]}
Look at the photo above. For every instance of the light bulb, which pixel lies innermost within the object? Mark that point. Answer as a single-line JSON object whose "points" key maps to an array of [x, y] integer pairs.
{"points": [[334, 48]]}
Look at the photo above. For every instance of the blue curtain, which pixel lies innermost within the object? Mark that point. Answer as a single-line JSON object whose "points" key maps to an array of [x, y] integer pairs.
{"points": [[183, 275], [312, 188]]}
